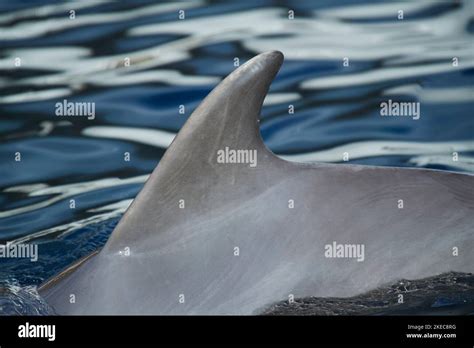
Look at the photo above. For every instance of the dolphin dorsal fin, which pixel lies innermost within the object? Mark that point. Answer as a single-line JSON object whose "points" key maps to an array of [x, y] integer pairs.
{"points": [[189, 176]]}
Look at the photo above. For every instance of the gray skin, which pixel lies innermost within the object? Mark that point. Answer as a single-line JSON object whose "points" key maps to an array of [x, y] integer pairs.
{"points": [[190, 251]]}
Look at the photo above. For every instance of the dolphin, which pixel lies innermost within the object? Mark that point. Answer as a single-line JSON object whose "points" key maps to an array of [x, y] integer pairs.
{"points": [[224, 226]]}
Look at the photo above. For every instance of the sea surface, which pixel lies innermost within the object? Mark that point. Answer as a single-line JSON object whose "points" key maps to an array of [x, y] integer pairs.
{"points": [[46, 56]]}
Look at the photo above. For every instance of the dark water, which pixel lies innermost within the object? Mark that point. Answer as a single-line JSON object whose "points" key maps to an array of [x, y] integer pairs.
{"points": [[446, 294], [178, 62]]}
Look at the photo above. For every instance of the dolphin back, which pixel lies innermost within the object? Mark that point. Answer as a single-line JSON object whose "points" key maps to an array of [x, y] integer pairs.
{"points": [[223, 226]]}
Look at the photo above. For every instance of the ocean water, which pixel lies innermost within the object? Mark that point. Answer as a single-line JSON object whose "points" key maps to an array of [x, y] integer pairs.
{"points": [[426, 57]]}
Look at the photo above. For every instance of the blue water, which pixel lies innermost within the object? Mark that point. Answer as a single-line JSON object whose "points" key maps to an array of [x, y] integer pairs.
{"points": [[178, 62]]}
